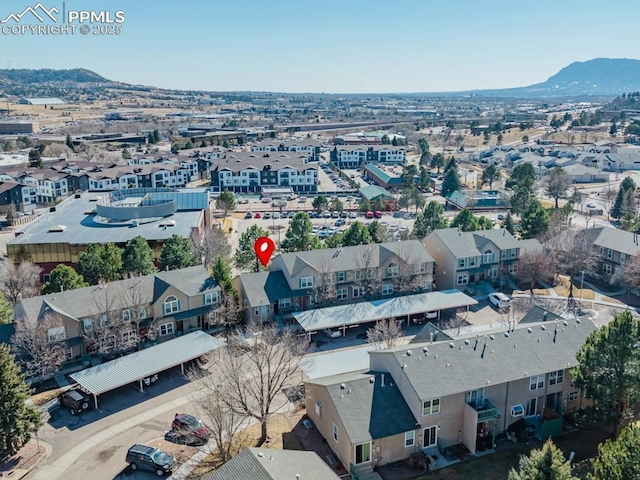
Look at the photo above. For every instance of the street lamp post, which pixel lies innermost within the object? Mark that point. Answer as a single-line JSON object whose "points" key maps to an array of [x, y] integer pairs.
{"points": [[581, 287]]}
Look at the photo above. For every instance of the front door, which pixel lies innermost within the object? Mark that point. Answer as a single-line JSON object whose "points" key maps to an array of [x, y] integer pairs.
{"points": [[532, 407], [363, 453], [551, 400], [430, 436]]}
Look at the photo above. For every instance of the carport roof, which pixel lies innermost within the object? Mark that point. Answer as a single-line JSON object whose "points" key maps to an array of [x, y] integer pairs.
{"points": [[343, 315], [135, 366]]}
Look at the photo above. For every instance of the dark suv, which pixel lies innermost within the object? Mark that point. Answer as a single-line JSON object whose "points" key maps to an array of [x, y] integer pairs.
{"points": [[76, 400], [151, 459]]}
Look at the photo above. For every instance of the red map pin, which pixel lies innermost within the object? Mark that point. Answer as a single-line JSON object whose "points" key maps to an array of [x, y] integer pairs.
{"points": [[264, 247]]}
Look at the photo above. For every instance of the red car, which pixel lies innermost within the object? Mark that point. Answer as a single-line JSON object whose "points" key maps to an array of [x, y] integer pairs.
{"points": [[378, 214], [258, 215], [190, 426], [369, 215]]}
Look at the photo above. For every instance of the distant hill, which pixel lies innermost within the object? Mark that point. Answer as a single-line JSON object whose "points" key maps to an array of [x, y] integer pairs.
{"points": [[46, 75], [597, 77]]}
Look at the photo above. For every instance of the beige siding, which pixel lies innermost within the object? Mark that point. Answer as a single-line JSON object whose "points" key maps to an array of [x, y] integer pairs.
{"points": [[449, 419], [391, 449], [444, 260]]}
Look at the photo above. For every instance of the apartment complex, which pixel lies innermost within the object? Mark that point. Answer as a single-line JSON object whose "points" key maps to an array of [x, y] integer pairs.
{"points": [[250, 172], [614, 250], [356, 156], [309, 147]]}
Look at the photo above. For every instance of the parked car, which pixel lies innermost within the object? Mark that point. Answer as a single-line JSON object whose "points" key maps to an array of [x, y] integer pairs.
{"points": [[276, 215], [285, 215], [377, 214], [591, 205], [332, 333], [143, 457], [431, 315], [266, 200], [335, 214], [501, 216], [267, 215], [339, 222], [353, 215], [343, 215], [369, 215], [326, 214], [190, 426], [499, 299], [257, 215], [248, 215], [76, 400]]}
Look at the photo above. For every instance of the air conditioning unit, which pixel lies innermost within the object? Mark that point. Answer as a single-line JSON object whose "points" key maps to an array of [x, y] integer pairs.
{"points": [[319, 408], [517, 411]]}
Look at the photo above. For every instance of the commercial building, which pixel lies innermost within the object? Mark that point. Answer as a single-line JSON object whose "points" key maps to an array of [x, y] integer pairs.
{"points": [[58, 236], [13, 128]]}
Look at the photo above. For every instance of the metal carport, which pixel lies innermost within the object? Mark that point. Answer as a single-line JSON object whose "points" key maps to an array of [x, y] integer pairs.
{"points": [[145, 363], [344, 315]]}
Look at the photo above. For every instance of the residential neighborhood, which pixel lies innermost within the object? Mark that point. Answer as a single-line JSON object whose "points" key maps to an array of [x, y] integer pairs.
{"points": [[239, 263]]}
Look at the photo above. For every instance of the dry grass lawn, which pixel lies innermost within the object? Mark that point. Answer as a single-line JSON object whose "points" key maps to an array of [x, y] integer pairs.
{"points": [[281, 437], [43, 397], [562, 289]]}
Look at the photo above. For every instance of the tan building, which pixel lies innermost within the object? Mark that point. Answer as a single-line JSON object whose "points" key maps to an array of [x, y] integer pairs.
{"points": [[441, 395]]}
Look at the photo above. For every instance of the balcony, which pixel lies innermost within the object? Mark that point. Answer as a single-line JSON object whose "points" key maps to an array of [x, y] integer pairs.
{"points": [[486, 410]]}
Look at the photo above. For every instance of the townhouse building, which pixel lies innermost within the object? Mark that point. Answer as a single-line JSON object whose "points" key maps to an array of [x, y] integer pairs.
{"points": [[356, 156], [119, 316], [469, 259], [22, 197], [250, 172], [439, 397], [314, 279], [614, 249]]}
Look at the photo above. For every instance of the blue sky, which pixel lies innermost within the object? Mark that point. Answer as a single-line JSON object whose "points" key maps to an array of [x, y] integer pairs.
{"points": [[334, 46]]}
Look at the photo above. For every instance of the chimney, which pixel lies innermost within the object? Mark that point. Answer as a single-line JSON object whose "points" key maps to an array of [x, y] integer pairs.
{"points": [[382, 380], [297, 476]]}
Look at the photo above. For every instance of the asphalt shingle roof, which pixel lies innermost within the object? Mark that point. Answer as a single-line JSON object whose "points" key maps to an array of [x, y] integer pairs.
{"points": [[264, 288], [447, 368], [471, 244], [368, 410], [615, 239], [269, 464]]}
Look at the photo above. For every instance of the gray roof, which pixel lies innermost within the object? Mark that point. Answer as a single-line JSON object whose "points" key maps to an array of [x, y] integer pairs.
{"points": [[368, 410], [430, 333], [530, 245], [538, 314], [471, 244], [448, 368], [135, 366], [84, 227], [270, 464], [336, 362], [238, 161], [617, 240], [377, 148], [579, 169], [91, 301], [352, 258], [343, 315], [264, 288]]}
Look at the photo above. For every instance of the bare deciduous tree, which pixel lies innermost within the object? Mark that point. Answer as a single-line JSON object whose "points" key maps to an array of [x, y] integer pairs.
{"points": [[455, 322], [532, 268], [324, 288], [213, 243], [384, 334], [136, 295], [254, 379], [227, 313], [367, 275], [40, 342], [573, 254], [19, 280], [221, 420]]}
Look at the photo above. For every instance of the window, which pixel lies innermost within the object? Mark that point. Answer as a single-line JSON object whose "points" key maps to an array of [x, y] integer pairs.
{"points": [[512, 253], [87, 324], [341, 277], [284, 302], [171, 305], [211, 297], [461, 263], [104, 320], [430, 407], [128, 338], [335, 432], [463, 279], [572, 396], [371, 273], [420, 268], [492, 273], [472, 262], [358, 292], [536, 382], [56, 334], [609, 253], [68, 353], [623, 258], [166, 329], [387, 289], [409, 439], [504, 254], [142, 313], [425, 285], [392, 270], [487, 257], [46, 277], [556, 377], [125, 315], [606, 268], [357, 275], [342, 294], [513, 268], [306, 282]]}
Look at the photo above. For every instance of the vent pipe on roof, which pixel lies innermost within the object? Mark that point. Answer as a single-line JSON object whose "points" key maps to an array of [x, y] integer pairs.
{"points": [[382, 380]]}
